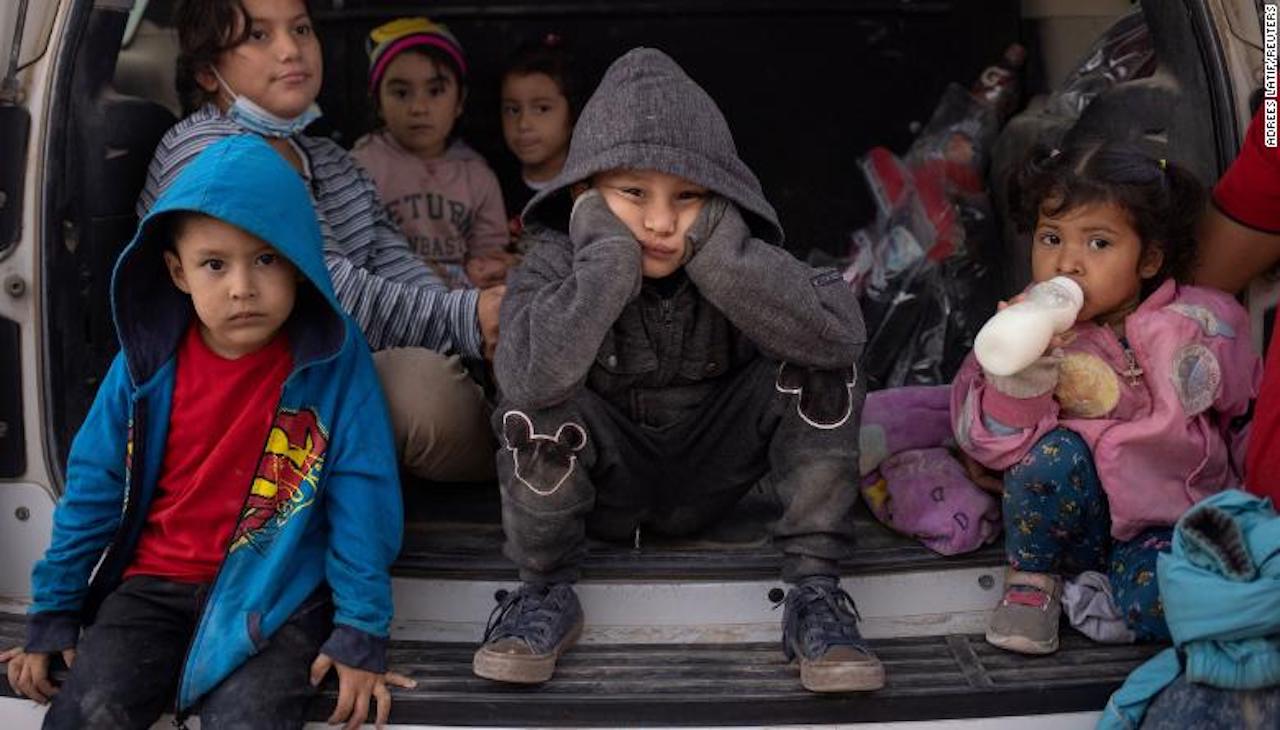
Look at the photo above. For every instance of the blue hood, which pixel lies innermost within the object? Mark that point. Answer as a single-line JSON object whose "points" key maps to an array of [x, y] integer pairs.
{"points": [[243, 181]]}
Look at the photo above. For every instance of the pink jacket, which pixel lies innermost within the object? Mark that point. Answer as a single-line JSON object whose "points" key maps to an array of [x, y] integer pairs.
{"points": [[1156, 416], [449, 208]]}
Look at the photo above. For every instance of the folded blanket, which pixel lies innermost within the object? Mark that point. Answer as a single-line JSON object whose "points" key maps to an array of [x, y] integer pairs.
{"points": [[925, 493]]}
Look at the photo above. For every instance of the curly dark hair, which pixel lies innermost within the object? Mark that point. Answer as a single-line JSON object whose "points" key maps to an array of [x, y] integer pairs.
{"points": [[1164, 200], [206, 30], [550, 55]]}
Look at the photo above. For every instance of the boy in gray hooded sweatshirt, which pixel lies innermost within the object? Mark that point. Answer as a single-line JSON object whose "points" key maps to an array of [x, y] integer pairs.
{"points": [[660, 354]]}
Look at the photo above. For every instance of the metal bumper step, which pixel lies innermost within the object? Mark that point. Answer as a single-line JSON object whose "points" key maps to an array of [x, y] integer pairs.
{"points": [[929, 678]]}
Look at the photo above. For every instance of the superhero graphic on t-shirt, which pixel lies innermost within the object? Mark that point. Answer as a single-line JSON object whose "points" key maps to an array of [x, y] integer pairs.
{"points": [[286, 479]]}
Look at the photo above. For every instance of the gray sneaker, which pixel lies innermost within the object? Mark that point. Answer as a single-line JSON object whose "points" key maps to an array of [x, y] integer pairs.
{"points": [[527, 633], [819, 628], [1026, 620]]}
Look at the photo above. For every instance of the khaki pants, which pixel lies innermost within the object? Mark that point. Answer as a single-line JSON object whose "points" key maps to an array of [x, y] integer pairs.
{"points": [[438, 415]]}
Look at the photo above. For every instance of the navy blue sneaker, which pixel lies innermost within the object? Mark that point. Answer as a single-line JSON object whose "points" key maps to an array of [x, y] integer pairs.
{"points": [[819, 627], [527, 633]]}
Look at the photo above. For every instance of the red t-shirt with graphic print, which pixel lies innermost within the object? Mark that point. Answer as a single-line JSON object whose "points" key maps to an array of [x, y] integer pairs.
{"points": [[1249, 193], [218, 426]]}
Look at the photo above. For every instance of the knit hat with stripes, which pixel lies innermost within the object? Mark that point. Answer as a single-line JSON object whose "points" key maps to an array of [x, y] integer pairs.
{"points": [[390, 39]]}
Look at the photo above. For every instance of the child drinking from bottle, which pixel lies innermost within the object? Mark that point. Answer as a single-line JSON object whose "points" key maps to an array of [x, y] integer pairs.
{"points": [[1126, 420]]}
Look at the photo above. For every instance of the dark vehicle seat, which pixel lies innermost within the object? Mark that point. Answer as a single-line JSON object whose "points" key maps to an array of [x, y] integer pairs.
{"points": [[110, 138]]}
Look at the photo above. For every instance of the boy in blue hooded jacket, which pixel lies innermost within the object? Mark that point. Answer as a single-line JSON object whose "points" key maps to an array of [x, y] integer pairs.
{"points": [[232, 504]]}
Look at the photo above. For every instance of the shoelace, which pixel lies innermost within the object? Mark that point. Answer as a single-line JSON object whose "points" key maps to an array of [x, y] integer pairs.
{"points": [[522, 614], [840, 599], [821, 608]]}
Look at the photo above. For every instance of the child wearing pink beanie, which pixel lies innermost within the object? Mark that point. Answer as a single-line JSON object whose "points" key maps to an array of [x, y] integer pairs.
{"points": [[441, 193]]}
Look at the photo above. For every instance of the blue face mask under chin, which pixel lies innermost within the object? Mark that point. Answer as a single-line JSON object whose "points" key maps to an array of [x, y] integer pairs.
{"points": [[253, 118]]}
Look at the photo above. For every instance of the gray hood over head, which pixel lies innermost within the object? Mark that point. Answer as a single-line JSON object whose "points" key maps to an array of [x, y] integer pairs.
{"points": [[647, 114]]}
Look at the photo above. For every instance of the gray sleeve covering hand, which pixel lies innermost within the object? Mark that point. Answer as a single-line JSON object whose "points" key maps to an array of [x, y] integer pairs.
{"points": [[790, 310], [562, 301]]}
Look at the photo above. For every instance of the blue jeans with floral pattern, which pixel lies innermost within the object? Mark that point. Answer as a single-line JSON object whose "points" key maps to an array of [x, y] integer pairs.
{"points": [[1056, 520]]}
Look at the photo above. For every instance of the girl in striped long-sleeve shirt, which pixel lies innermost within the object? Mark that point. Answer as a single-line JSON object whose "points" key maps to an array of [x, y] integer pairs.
{"points": [[265, 81]]}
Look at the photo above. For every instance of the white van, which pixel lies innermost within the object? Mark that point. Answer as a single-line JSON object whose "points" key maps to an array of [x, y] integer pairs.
{"points": [[680, 633]]}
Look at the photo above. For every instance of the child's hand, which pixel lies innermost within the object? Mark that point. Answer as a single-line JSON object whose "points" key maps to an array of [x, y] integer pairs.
{"points": [[29, 673], [980, 475], [355, 687], [490, 270], [1016, 299], [487, 308], [1058, 340]]}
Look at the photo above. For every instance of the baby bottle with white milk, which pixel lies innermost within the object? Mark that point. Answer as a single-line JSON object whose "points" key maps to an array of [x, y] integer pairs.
{"points": [[1020, 333]]}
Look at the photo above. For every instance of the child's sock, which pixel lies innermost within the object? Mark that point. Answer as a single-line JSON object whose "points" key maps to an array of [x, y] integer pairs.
{"points": [[1091, 608]]}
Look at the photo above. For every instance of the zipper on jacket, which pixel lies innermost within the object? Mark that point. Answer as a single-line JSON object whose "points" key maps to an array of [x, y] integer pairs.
{"points": [[179, 716], [137, 428], [661, 337]]}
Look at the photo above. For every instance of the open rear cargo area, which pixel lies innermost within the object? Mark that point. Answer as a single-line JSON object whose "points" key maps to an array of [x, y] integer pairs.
{"points": [[679, 631]]}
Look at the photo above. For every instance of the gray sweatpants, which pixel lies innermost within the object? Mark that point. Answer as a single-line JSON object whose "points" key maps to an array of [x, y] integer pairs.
{"points": [[585, 466]]}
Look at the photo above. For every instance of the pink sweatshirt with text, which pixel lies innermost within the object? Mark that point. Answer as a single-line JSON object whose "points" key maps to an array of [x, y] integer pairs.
{"points": [[450, 208]]}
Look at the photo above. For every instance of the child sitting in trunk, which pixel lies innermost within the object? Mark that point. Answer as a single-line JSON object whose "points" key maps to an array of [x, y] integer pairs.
{"points": [[661, 353], [232, 504], [1125, 421], [540, 101], [439, 191]]}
